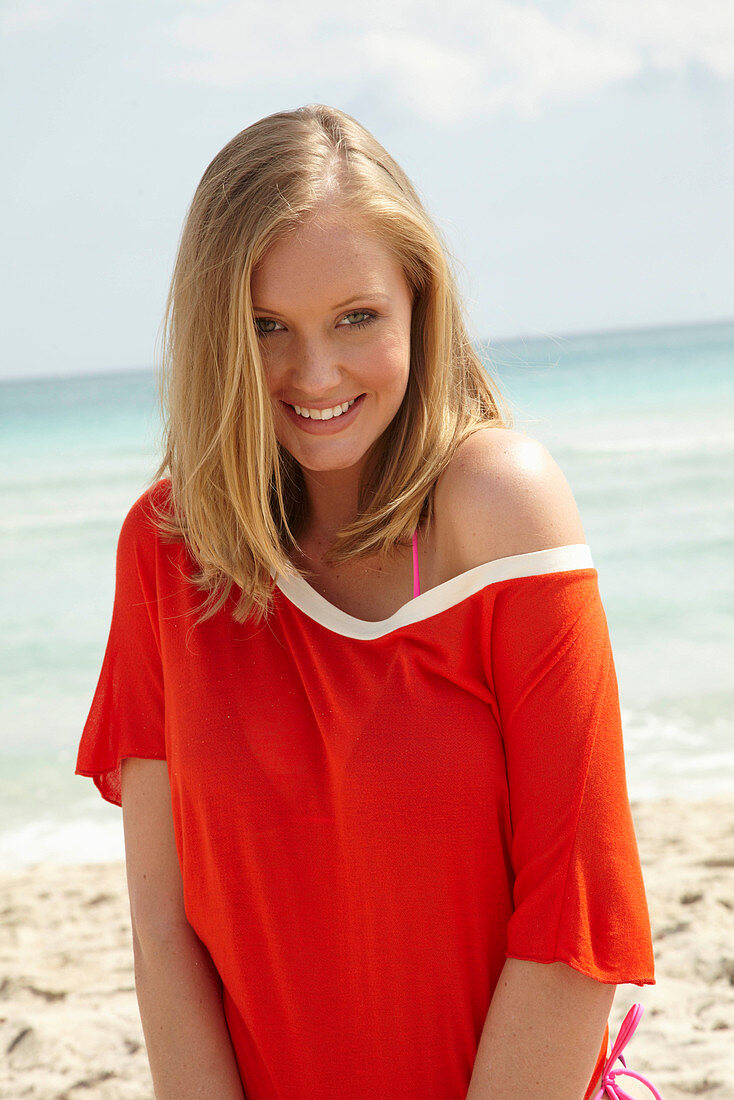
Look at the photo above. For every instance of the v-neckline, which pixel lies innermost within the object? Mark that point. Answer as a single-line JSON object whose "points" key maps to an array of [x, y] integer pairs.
{"points": [[440, 598]]}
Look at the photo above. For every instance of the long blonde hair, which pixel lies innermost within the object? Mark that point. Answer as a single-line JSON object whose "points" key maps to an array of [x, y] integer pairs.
{"points": [[236, 495]]}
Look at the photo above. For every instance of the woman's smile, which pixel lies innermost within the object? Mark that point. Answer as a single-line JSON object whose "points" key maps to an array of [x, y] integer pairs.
{"points": [[326, 421]]}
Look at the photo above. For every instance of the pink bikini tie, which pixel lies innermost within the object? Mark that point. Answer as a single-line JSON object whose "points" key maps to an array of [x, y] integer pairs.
{"points": [[609, 1076], [416, 578]]}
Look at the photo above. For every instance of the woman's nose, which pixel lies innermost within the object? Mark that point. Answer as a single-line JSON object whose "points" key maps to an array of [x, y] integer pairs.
{"points": [[315, 368]]}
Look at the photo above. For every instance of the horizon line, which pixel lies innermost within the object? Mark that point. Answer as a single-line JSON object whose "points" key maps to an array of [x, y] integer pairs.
{"points": [[485, 342]]}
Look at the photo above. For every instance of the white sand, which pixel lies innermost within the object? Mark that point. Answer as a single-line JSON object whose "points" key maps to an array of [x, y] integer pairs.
{"points": [[69, 1025]]}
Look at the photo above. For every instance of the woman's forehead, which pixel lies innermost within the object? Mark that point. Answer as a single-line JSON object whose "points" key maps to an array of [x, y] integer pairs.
{"points": [[329, 259]]}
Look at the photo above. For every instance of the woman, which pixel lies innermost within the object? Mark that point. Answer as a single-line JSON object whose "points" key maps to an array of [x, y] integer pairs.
{"points": [[376, 846]]}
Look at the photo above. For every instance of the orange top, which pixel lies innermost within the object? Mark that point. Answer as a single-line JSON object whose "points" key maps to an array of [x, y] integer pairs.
{"points": [[370, 816]]}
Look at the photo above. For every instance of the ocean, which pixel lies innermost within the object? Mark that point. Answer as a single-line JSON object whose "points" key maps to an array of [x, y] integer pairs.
{"points": [[640, 422]]}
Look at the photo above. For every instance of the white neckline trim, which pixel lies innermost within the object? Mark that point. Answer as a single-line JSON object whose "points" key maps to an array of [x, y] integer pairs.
{"points": [[559, 559]]}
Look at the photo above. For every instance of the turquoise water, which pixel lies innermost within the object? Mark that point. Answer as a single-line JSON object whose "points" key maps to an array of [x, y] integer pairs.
{"points": [[641, 424]]}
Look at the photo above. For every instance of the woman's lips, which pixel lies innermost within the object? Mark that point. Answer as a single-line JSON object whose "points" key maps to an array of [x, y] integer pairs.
{"points": [[324, 427]]}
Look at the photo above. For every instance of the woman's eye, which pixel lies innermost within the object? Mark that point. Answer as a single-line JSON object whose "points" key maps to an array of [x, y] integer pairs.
{"points": [[265, 325], [357, 318]]}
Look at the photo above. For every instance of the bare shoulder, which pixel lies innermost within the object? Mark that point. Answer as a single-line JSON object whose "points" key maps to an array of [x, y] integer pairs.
{"points": [[503, 494]]}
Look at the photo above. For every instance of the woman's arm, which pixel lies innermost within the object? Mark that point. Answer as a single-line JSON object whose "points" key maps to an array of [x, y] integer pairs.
{"points": [[542, 1034], [178, 988]]}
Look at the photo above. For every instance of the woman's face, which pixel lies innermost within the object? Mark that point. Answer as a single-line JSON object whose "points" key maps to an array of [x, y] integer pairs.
{"points": [[333, 311]]}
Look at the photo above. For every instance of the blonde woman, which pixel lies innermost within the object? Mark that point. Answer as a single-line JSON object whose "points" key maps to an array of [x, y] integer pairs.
{"points": [[358, 702]]}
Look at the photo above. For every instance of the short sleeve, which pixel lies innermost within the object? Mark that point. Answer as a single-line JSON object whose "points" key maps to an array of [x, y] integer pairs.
{"points": [[578, 894], [127, 713]]}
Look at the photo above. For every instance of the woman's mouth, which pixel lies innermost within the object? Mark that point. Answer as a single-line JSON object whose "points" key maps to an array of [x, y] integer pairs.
{"points": [[324, 421]]}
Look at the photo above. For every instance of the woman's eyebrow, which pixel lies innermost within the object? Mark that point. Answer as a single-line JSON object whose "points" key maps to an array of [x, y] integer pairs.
{"points": [[369, 295], [373, 296]]}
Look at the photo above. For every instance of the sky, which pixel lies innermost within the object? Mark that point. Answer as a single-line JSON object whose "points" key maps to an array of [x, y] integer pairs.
{"points": [[577, 155]]}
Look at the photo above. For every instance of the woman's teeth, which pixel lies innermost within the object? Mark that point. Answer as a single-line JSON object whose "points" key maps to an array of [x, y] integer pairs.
{"points": [[324, 414]]}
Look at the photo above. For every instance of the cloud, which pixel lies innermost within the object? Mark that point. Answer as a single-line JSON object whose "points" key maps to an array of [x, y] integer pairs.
{"points": [[26, 15], [468, 58], [669, 35]]}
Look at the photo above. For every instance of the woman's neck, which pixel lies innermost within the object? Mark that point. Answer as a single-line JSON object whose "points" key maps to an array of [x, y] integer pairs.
{"points": [[332, 502]]}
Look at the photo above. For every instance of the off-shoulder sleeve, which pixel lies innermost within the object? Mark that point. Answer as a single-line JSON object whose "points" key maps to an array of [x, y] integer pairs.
{"points": [[127, 715], [578, 895]]}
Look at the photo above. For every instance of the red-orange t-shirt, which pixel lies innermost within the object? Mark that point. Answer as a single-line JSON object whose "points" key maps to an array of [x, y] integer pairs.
{"points": [[370, 816]]}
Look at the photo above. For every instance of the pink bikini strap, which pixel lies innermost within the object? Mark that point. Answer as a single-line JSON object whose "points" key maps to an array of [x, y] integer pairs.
{"points": [[609, 1087], [416, 575]]}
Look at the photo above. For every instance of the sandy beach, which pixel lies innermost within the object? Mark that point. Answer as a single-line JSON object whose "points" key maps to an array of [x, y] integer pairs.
{"points": [[69, 1025]]}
